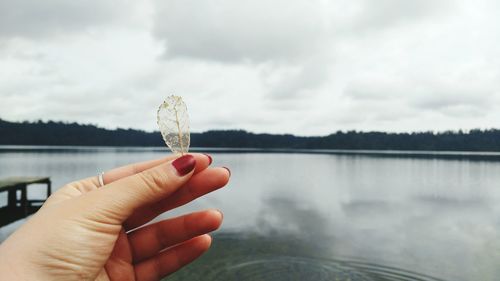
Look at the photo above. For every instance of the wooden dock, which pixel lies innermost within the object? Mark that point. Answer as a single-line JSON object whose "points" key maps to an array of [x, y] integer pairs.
{"points": [[18, 206]]}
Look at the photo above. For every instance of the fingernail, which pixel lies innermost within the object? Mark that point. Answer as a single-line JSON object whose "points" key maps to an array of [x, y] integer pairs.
{"points": [[227, 170], [209, 238], [184, 164], [209, 158], [221, 214]]}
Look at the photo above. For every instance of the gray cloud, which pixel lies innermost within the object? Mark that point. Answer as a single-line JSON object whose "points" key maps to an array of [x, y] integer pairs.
{"points": [[229, 31], [444, 100], [273, 30], [448, 96], [38, 19], [374, 15]]}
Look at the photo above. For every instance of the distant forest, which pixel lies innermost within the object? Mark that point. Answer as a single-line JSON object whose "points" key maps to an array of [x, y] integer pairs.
{"points": [[58, 133]]}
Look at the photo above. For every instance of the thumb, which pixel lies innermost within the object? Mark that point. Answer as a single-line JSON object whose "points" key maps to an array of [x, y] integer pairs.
{"points": [[118, 200]]}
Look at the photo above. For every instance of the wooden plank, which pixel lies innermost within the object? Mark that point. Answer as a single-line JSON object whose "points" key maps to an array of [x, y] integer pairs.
{"points": [[6, 184]]}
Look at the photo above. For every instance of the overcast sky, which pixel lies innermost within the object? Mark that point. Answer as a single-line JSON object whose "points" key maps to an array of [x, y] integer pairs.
{"points": [[306, 67]]}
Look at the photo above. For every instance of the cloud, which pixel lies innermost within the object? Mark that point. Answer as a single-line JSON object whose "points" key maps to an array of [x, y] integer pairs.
{"points": [[234, 31], [375, 15], [303, 67], [273, 30], [445, 100], [296, 46], [447, 96], [38, 19], [287, 42]]}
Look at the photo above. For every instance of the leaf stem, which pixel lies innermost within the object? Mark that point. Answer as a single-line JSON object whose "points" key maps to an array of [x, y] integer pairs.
{"points": [[179, 132]]}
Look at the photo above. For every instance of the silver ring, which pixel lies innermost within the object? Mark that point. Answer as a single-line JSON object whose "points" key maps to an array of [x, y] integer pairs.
{"points": [[101, 180]]}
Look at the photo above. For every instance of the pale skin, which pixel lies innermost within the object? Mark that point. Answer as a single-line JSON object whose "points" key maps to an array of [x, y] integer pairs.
{"points": [[87, 232]]}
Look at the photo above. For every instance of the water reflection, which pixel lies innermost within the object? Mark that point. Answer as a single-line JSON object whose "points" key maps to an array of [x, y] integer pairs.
{"points": [[290, 241], [287, 216]]}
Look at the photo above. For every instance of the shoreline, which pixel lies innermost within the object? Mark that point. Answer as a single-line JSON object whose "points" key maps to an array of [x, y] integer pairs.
{"points": [[466, 155]]}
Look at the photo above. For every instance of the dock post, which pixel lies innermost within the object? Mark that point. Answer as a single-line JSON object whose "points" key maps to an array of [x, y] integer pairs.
{"points": [[24, 199], [49, 188], [12, 198]]}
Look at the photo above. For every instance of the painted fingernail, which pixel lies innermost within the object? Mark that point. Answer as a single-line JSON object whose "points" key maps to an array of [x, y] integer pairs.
{"points": [[227, 170], [209, 158], [184, 164]]}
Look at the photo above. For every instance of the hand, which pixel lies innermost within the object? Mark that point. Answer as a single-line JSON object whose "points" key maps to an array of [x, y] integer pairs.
{"points": [[87, 232]]}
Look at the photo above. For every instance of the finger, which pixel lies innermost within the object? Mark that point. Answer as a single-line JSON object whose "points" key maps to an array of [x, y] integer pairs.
{"points": [[121, 198], [78, 188], [172, 259], [119, 265], [204, 182], [202, 162], [149, 240]]}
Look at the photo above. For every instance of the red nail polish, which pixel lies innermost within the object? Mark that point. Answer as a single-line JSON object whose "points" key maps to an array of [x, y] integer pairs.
{"points": [[209, 158], [184, 164], [227, 170]]}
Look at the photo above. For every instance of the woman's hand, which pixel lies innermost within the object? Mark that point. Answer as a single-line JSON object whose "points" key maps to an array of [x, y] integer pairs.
{"points": [[87, 232]]}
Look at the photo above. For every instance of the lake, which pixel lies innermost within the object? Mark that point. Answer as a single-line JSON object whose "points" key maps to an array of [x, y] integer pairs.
{"points": [[328, 215]]}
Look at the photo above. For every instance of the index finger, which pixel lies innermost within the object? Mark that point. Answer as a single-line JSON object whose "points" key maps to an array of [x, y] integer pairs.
{"points": [[78, 188], [202, 162]]}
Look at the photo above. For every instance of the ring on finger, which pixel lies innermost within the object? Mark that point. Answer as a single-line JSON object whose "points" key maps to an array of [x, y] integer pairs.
{"points": [[100, 179]]}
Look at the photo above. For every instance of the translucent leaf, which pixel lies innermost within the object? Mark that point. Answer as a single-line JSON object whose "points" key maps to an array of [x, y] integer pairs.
{"points": [[173, 121]]}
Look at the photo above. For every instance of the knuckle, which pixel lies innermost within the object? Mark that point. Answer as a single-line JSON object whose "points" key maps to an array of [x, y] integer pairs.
{"points": [[161, 235]]}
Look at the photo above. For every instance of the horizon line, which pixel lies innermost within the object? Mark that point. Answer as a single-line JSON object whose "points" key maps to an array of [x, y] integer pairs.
{"points": [[436, 132]]}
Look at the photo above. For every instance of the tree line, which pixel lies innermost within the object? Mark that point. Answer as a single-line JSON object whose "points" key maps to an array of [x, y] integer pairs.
{"points": [[60, 133]]}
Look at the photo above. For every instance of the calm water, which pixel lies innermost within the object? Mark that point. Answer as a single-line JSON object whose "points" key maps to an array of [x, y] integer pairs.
{"points": [[324, 217]]}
